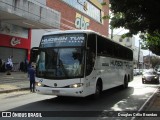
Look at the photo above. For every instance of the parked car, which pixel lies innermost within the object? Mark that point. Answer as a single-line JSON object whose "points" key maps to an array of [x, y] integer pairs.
{"points": [[150, 77], [140, 71], [134, 72], [137, 71], [158, 71]]}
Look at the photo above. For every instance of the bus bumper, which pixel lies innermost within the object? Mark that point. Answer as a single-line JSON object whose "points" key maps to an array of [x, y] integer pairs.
{"points": [[75, 92]]}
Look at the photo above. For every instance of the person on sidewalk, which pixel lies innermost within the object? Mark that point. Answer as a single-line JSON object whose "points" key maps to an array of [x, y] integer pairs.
{"points": [[9, 65], [1, 64], [25, 64], [31, 72]]}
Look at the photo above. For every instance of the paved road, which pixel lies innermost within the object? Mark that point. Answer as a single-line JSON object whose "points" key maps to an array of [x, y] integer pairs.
{"points": [[131, 99]]}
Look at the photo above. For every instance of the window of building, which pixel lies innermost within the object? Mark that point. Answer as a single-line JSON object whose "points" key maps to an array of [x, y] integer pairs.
{"points": [[120, 40], [100, 1], [127, 40]]}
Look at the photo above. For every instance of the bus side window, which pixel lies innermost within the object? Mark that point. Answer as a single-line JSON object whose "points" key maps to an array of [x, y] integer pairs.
{"points": [[91, 53], [90, 62]]}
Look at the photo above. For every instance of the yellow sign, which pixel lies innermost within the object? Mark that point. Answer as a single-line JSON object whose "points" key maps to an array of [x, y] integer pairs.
{"points": [[81, 22], [96, 3]]}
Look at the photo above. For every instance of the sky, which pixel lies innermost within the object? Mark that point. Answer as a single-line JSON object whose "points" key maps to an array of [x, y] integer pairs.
{"points": [[145, 52]]}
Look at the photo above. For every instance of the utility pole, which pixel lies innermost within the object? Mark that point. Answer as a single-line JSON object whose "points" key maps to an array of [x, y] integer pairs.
{"points": [[149, 59], [111, 32], [138, 55]]}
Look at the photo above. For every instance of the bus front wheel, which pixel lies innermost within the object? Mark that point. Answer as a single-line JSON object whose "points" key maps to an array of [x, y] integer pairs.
{"points": [[98, 90]]}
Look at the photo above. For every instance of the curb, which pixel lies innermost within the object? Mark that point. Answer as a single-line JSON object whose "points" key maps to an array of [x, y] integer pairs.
{"points": [[13, 90], [148, 104]]}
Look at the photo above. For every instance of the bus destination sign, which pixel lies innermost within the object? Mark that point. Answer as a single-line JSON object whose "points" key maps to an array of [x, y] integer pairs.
{"points": [[63, 40]]}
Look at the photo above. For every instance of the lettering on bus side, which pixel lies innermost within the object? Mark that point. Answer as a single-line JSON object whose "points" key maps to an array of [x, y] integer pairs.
{"points": [[118, 63], [105, 64], [126, 64]]}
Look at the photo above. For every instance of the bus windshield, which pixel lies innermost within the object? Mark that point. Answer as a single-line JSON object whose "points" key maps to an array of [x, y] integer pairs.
{"points": [[60, 63]]}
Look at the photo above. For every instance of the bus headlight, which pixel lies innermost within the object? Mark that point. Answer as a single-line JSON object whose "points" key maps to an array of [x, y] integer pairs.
{"points": [[39, 84], [76, 85]]}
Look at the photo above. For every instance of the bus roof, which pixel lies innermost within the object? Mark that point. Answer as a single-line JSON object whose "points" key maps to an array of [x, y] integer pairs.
{"points": [[70, 31], [80, 31], [73, 31]]}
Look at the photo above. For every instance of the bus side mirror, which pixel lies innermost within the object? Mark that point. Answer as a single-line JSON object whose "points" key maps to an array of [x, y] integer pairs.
{"points": [[34, 54]]}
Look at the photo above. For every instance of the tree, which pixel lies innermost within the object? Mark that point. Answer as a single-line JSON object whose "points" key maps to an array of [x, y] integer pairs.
{"points": [[138, 16], [155, 61], [152, 42]]}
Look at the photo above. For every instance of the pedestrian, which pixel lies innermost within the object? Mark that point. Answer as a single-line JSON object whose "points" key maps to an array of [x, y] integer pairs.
{"points": [[31, 72], [1, 64], [29, 67], [9, 65], [21, 68], [25, 64]]}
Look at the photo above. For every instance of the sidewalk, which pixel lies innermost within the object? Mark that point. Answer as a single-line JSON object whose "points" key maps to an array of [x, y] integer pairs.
{"points": [[14, 82]]}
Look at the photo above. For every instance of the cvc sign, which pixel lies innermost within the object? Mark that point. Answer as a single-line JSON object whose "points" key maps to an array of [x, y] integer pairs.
{"points": [[81, 22]]}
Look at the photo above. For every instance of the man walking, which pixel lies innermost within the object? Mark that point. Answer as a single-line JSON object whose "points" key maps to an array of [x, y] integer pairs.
{"points": [[31, 72]]}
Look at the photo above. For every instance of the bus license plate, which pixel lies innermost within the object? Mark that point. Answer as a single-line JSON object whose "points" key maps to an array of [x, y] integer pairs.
{"points": [[55, 91]]}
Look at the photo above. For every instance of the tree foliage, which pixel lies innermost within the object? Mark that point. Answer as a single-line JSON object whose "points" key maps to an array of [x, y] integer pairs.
{"points": [[155, 61], [138, 16], [152, 42]]}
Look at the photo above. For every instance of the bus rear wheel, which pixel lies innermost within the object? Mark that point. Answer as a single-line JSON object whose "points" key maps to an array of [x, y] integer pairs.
{"points": [[125, 84]]}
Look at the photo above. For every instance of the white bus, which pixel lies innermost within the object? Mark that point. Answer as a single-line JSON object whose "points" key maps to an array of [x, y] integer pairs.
{"points": [[81, 63]]}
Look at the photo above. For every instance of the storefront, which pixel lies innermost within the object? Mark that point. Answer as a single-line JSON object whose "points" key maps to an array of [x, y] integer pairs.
{"points": [[16, 42], [17, 18]]}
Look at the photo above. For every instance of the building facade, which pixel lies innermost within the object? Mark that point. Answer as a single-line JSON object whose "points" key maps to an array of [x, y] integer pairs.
{"points": [[82, 14], [17, 18], [23, 22], [77, 14], [14, 41]]}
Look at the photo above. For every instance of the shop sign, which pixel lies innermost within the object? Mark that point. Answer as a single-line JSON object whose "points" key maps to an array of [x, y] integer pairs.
{"points": [[15, 41], [81, 22]]}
